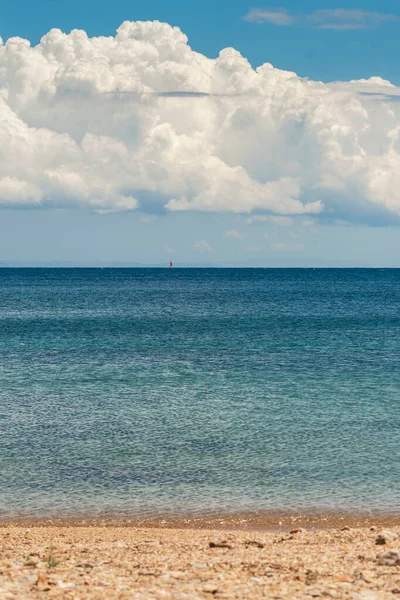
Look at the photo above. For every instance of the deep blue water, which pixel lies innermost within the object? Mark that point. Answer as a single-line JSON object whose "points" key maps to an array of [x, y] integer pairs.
{"points": [[152, 390]]}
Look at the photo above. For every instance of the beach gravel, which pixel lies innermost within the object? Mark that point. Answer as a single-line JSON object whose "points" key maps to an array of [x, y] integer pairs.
{"points": [[110, 562]]}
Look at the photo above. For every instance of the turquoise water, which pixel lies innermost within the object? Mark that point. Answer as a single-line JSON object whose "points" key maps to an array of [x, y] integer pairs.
{"points": [[140, 391]]}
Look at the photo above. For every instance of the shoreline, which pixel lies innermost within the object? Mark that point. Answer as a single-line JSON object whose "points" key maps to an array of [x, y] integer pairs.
{"points": [[235, 521]]}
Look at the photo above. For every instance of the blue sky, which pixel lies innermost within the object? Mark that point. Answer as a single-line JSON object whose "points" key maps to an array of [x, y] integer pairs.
{"points": [[351, 43]]}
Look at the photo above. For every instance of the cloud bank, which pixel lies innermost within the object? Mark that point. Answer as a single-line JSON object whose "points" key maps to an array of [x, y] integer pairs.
{"points": [[141, 120]]}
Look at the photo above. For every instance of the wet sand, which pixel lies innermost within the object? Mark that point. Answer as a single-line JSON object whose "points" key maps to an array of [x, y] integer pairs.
{"points": [[257, 520], [105, 561]]}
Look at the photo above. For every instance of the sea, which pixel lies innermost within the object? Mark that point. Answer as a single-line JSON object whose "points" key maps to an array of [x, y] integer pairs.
{"points": [[135, 392]]}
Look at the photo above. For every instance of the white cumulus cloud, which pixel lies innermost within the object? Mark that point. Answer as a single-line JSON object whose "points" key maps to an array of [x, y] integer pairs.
{"points": [[140, 120]]}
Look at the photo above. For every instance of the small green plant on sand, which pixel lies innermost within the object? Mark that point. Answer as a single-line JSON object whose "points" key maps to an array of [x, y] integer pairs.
{"points": [[51, 560]]}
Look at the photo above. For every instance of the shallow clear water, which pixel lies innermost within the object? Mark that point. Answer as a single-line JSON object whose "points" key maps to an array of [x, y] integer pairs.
{"points": [[139, 391]]}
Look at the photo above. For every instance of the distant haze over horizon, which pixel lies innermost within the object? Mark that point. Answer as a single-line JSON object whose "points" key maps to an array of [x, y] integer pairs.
{"points": [[311, 264]]}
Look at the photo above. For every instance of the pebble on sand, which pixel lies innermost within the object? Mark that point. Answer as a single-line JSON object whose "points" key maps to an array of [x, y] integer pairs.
{"points": [[386, 537], [390, 559]]}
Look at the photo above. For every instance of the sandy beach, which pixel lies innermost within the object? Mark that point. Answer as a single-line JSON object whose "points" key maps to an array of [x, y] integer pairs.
{"points": [[107, 561]]}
